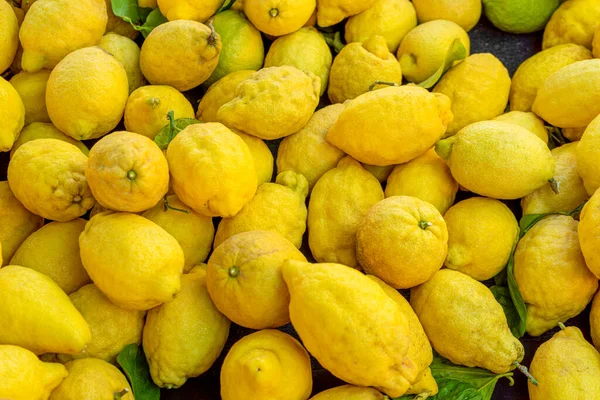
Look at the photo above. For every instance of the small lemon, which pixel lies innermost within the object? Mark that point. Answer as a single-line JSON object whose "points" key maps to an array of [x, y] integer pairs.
{"points": [[465, 13], [304, 49], [278, 207], [588, 153], [31, 86], [349, 392], [279, 17], [423, 50], [330, 12], [12, 112], [392, 19], [292, 92], [427, 177], [9, 35], [532, 73], [54, 28], [127, 172], [147, 108], [263, 158], [184, 337], [589, 233], [127, 52], [380, 173], [212, 170], [193, 232], [307, 152], [595, 321], [181, 53], [573, 22], [266, 365], [478, 89], [571, 188], [358, 66], [527, 120], [219, 93], [41, 130], [189, 10], [516, 16]]}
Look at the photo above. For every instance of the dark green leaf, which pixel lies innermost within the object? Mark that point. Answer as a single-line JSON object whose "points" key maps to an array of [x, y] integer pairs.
{"points": [[155, 18], [450, 389], [334, 40], [455, 53], [502, 295], [171, 130], [519, 326], [528, 221], [133, 362], [500, 279], [226, 5]]}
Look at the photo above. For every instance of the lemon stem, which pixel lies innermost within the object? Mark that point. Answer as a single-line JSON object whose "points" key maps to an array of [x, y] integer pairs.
{"points": [[119, 395], [77, 199], [424, 224], [562, 326], [554, 185], [168, 207], [234, 271], [131, 175], [378, 82], [526, 372], [212, 39], [273, 12]]}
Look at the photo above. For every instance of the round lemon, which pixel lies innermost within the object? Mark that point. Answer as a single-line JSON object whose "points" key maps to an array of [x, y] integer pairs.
{"points": [[517, 16], [595, 321], [127, 52], [349, 392], [31, 86], [189, 10], [465, 13], [219, 93], [589, 233], [380, 173], [596, 43], [330, 12], [12, 112], [263, 158], [588, 163], [279, 17], [573, 22], [9, 35], [40, 130], [527, 120]]}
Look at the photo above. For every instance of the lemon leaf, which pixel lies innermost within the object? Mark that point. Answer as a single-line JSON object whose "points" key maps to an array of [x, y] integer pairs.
{"points": [[129, 11], [154, 19], [227, 4], [502, 295], [171, 130], [456, 52], [133, 362]]}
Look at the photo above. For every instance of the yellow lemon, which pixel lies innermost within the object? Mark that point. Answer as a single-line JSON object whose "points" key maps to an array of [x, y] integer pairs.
{"points": [[54, 28], [358, 66], [9, 35], [330, 12], [181, 53], [119, 26], [588, 163], [278, 207], [571, 189], [371, 137], [40, 130], [349, 392], [86, 93], [471, 248], [478, 89], [266, 365], [189, 10], [127, 52], [338, 203], [532, 73], [589, 233], [212, 170], [392, 19], [573, 22], [47, 176], [12, 112], [31, 87], [595, 321], [465, 13], [292, 92], [427, 177], [573, 134], [423, 50], [380, 173], [219, 93], [279, 17], [596, 43], [527, 120], [133, 261], [263, 158]]}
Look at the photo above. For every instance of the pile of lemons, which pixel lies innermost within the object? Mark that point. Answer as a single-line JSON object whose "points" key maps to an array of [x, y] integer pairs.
{"points": [[134, 216]]}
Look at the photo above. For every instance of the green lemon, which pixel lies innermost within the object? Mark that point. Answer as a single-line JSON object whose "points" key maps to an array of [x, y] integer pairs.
{"points": [[519, 16]]}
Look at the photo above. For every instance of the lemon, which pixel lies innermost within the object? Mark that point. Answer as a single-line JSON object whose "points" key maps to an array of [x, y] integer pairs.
{"points": [[478, 89], [47, 176], [9, 35], [147, 3], [117, 25], [360, 65], [193, 232], [91, 378], [427, 177], [219, 93], [517, 16], [54, 28], [127, 52], [279, 17], [596, 43], [349, 392], [532, 73], [338, 203], [330, 12], [189, 10], [595, 321], [570, 97], [266, 365], [573, 134], [244, 278], [571, 189], [423, 50], [40, 130], [471, 248], [184, 337], [31, 87], [147, 108], [127, 172], [25, 297], [181, 53], [588, 164], [278, 207], [373, 137], [12, 112], [133, 261], [86, 93], [380, 173], [573, 22], [498, 159], [589, 233], [392, 19], [212, 170], [330, 300], [527, 120], [242, 49], [292, 92], [304, 49], [53, 250], [24, 377], [551, 273], [17, 223], [263, 158], [307, 152], [412, 261], [465, 13]]}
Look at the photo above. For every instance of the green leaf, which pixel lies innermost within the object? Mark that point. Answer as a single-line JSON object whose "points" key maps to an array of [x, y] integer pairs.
{"points": [[133, 362], [501, 279], [502, 295], [334, 40], [528, 221], [171, 130], [154, 19], [518, 326], [226, 6], [456, 52], [129, 11]]}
